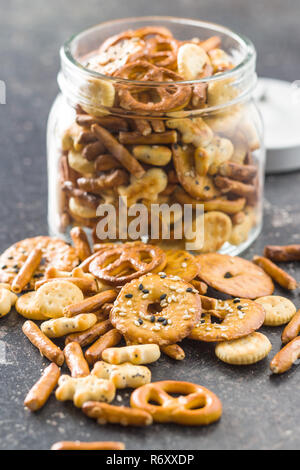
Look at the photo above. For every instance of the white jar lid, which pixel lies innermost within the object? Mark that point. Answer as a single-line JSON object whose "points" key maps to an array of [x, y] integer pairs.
{"points": [[279, 104]]}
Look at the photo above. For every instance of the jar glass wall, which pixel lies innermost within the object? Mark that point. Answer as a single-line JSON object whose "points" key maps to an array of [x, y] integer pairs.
{"points": [[135, 131]]}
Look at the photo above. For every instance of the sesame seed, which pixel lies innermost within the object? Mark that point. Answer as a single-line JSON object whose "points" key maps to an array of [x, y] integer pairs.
{"points": [[128, 296], [163, 296], [152, 319], [146, 291], [141, 287], [189, 289]]}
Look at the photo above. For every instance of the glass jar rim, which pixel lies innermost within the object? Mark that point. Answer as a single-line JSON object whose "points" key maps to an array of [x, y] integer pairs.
{"points": [[246, 44]]}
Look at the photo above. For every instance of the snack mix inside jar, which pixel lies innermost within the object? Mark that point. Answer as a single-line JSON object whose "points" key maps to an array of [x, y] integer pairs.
{"points": [[155, 136]]}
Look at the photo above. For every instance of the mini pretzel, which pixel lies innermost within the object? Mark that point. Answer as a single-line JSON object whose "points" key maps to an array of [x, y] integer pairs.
{"points": [[198, 186], [292, 330], [141, 354], [196, 405], [277, 274], [84, 389], [69, 445], [283, 253], [238, 172], [125, 375], [41, 391], [286, 357], [84, 338], [170, 97], [221, 204], [58, 327], [133, 138], [181, 263], [7, 300], [81, 243], [240, 317], [102, 182], [27, 271], [46, 347], [118, 151], [227, 185], [114, 266], [75, 360], [108, 340], [116, 414], [82, 197], [160, 51], [156, 309], [90, 304], [234, 276], [174, 352]]}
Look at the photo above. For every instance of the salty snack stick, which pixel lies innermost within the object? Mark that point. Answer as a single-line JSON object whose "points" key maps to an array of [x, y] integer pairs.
{"points": [[133, 138], [112, 123], [156, 308], [279, 310], [282, 253], [286, 357], [174, 351], [124, 375], [53, 297], [46, 347], [85, 284], [238, 172], [227, 185], [26, 307], [141, 354], [197, 406], [90, 304], [84, 338], [75, 360], [118, 151], [84, 389], [7, 301], [58, 327], [28, 269], [276, 273], [97, 186], [244, 351], [76, 445], [81, 243], [122, 415], [292, 330], [234, 276], [108, 340], [41, 391]]}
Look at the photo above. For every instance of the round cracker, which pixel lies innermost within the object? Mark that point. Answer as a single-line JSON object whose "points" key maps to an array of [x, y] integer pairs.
{"points": [[279, 310], [56, 253], [26, 307], [244, 351], [53, 297], [234, 276], [239, 317], [181, 263]]}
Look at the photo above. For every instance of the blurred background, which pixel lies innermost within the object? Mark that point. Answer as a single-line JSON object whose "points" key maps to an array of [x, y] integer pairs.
{"points": [[31, 33]]}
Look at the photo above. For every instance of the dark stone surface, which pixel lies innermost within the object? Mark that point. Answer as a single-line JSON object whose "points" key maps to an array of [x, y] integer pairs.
{"points": [[260, 411]]}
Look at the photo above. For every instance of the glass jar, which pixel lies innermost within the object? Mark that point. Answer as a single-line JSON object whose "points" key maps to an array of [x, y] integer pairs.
{"points": [[146, 138]]}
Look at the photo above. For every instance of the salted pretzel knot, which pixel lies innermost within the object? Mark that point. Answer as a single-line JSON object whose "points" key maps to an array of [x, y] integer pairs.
{"points": [[195, 407], [170, 96], [115, 266]]}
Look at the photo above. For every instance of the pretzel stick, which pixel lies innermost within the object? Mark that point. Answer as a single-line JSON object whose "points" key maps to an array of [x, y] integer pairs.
{"points": [[292, 330], [174, 352], [41, 391], [66, 172], [86, 198], [87, 286], [227, 185], [90, 304], [143, 126], [106, 162], [112, 123], [238, 172], [283, 253], [158, 125], [86, 137], [111, 180], [75, 360], [277, 274], [133, 138], [93, 150], [76, 445], [211, 43], [286, 357], [26, 272], [105, 413], [109, 340], [81, 243], [46, 347], [87, 337], [119, 151]]}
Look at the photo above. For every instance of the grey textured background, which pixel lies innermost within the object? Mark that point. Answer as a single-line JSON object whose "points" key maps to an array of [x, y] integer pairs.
{"points": [[260, 411]]}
